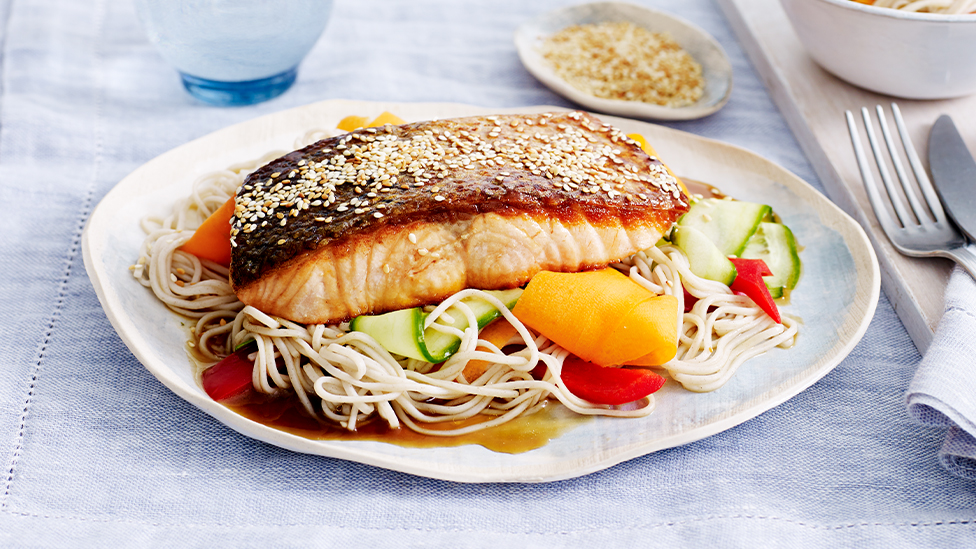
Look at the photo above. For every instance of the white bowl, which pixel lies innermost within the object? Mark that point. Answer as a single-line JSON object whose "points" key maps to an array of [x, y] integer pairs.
{"points": [[716, 68], [894, 52]]}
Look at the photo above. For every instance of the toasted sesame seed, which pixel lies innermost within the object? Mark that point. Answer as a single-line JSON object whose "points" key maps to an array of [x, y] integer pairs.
{"points": [[352, 181]]}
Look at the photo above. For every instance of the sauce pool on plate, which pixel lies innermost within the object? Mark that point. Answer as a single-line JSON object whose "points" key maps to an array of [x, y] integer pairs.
{"points": [[520, 435]]}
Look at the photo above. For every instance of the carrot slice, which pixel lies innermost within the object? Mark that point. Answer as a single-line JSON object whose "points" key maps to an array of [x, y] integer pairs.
{"points": [[642, 141], [351, 123], [386, 118], [498, 333], [600, 316], [212, 238]]}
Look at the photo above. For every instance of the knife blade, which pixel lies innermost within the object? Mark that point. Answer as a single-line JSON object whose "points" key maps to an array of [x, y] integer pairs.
{"points": [[953, 174]]}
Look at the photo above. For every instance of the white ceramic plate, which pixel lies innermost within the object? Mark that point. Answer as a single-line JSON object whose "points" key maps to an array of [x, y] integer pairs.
{"points": [[835, 299], [716, 67]]}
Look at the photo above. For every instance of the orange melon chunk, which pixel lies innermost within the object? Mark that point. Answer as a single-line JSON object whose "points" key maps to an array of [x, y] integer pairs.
{"points": [[601, 316], [659, 319]]}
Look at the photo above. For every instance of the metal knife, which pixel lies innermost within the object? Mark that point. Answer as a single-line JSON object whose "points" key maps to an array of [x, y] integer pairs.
{"points": [[953, 174]]}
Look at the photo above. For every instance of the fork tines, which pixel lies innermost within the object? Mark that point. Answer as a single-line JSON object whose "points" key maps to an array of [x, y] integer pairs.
{"points": [[922, 213]]}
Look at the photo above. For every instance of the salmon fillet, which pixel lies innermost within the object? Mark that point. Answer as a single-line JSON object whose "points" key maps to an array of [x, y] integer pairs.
{"points": [[387, 218]]}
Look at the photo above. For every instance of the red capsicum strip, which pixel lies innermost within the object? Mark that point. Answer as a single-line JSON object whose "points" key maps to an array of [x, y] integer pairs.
{"points": [[230, 379], [690, 301], [749, 282], [608, 385]]}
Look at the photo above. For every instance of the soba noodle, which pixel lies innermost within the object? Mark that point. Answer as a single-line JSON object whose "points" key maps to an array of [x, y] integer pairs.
{"points": [[347, 378], [930, 6]]}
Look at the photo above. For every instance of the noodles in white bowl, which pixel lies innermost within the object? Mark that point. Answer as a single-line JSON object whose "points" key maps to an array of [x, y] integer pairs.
{"points": [[949, 7], [346, 378]]}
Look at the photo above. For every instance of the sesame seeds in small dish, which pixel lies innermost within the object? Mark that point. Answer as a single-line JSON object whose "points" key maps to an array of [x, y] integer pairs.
{"points": [[673, 70]]}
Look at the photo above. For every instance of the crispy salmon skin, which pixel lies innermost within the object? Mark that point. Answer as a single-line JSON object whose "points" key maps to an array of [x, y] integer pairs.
{"points": [[386, 218]]}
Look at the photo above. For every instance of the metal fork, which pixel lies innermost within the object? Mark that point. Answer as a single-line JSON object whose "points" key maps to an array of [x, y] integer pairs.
{"points": [[924, 231]]}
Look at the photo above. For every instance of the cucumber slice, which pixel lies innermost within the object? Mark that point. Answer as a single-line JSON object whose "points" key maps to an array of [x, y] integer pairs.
{"points": [[402, 332], [707, 261], [727, 223], [440, 346], [774, 243]]}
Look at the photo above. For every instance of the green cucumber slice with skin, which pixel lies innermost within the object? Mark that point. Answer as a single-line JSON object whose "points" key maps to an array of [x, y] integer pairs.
{"points": [[774, 243], [402, 332], [440, 345], [727, 223], [706, 260]]}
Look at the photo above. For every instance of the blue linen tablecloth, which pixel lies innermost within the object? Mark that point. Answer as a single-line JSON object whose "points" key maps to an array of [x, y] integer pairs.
{"points": [[95, 452]]}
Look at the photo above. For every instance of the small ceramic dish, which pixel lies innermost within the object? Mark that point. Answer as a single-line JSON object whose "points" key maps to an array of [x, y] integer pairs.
{"points": [[716, 68]]}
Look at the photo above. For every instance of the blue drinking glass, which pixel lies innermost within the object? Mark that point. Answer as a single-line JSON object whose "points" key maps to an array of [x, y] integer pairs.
{"points": [[234, 52]]}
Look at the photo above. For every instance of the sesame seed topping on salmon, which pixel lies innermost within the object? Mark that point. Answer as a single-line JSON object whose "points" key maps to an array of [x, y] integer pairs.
{"points": [[386, 218]]}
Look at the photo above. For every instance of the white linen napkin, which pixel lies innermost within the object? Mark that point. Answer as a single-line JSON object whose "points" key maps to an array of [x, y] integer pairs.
{"points": [[943, 391]]}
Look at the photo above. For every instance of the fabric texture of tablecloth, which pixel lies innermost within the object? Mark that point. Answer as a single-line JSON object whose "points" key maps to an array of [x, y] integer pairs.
{"points": [[95, 452]]}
